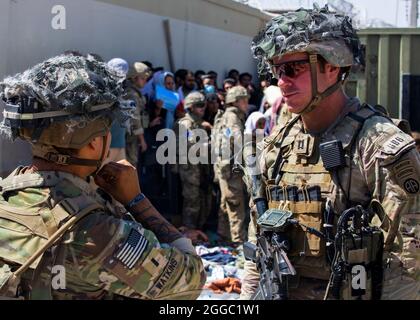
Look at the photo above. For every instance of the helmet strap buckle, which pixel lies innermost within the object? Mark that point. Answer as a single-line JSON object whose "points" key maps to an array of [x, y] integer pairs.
{"points": [[317, 97], [60, 159]]}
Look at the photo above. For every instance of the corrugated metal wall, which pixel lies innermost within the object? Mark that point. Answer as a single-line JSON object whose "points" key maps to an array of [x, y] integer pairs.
{"points": [[392, 74]]}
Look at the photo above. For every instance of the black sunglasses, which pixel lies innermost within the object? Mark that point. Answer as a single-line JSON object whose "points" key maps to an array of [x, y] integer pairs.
{"points": [[199, 105], [290, 69]]}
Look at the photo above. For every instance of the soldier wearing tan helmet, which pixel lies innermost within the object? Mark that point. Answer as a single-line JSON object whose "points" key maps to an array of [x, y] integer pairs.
{"points": [[227, 136], [335, 155], [106, 243], [137, 77], [194, 176]]}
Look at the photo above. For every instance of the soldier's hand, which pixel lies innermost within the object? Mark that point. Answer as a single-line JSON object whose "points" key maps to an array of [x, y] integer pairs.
{"points": [[120, 180], [143, 146], [206, 125], [196, 236], [155, 122]]}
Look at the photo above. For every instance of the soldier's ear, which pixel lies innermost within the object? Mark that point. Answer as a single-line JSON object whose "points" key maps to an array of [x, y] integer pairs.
{"points": [[331, 71], [95, 144]]}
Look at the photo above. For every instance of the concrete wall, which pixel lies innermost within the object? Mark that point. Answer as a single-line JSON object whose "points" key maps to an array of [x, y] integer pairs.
{"points": [[206, 34]]}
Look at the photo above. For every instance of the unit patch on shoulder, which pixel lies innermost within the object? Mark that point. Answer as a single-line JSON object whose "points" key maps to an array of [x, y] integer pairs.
{"points": [[411, 186], [406, 175], [395, 143]]}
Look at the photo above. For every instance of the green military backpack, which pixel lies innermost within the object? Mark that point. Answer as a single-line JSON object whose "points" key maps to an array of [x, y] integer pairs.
{"points": [[217, 133], [25, 234]]}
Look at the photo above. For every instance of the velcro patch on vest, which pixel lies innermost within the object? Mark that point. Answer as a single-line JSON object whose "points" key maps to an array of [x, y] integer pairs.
{"points": [[132, 249], [154, 261], [301, 144], [395, 143]]}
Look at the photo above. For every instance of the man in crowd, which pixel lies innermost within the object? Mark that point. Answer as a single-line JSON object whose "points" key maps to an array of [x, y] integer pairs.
{"points": [[195, 177], [137, 77], [227, 138]]}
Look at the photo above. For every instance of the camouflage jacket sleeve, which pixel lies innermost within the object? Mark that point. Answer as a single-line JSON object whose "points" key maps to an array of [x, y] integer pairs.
{"points": [[234, 124], [391, 166], [122, 257], [234, 133], [136, 127], [185, 127]]}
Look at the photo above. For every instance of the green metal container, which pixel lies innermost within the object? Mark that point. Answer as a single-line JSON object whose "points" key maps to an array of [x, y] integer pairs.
{"points": [[391, 76]]}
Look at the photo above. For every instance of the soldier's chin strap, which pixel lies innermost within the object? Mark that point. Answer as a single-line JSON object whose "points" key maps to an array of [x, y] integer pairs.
{"points": [[317, 96], [51, 154]]}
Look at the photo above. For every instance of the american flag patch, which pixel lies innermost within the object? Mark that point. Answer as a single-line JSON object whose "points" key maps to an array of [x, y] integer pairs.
{"points": [[132, 249]]}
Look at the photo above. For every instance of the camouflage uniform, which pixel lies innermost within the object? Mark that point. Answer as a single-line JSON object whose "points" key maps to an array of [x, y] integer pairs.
{"points": [[92, 253], [195, 178], [140, 121], [103, 251], [381, 164], [374, 169], [232, 203]]}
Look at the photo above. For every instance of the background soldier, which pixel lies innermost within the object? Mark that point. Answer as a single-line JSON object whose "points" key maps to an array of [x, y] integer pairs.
{"points": [[64, 107], [194, 177], [136, 79], [311, 53], [227, 138]]}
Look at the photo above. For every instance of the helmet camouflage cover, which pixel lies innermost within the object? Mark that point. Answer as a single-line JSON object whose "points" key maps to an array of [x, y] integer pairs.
{"points": [[318, 31], [194, 98], [139, 69], [236, 93], [64, 102]]}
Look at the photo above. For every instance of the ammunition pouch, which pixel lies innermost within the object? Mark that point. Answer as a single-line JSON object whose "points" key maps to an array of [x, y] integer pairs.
{"points": [[307, 207]]}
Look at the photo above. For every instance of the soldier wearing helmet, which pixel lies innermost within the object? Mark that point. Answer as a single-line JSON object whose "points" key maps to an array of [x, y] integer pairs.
{"points": [[105, 242], [311, 52], [137, 77], [194, 176], [227, 136]]}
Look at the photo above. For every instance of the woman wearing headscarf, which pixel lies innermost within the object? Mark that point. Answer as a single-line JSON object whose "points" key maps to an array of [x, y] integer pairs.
{"points": [[256, 120], [167, 81]]}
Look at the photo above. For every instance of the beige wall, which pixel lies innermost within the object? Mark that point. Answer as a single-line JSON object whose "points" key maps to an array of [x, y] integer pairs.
{"points": [[221, 14]]}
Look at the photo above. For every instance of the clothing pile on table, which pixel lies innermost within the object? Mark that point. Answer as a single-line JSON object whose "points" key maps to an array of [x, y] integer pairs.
{"points": [[224, 266]]}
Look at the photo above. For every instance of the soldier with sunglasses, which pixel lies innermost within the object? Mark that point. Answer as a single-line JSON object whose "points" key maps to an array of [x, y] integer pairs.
{"points": [[227, 140], [194, 176], [311, 53]]}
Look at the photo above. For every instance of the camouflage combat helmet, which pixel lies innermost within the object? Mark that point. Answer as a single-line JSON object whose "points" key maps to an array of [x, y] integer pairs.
{"points": [[62, 104], [139, 69], [194, 98], [317, 32], [235, 93]]}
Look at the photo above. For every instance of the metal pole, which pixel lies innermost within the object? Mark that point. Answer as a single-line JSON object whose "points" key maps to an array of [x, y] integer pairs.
{"points": [[414, 13], [168, 40]]}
